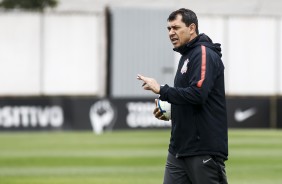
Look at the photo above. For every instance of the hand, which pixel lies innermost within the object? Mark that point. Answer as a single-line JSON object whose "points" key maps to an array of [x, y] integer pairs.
{"points": [[158, 113], [149, 84]]}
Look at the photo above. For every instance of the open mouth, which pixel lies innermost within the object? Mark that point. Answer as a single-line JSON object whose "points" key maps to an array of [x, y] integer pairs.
{"points": [[174, 40]]}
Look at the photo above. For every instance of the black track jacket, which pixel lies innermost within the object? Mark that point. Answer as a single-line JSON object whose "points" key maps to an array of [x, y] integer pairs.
{"points": [[198, 111]]}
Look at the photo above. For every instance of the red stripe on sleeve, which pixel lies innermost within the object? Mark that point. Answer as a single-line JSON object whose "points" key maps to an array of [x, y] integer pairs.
{"points": [[203, 67]]}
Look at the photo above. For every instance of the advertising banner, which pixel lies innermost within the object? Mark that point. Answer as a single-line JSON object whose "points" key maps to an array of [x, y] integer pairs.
{"points": [[77, 113], [31, 114], [248, 112], [103, 114], [279, 112]]}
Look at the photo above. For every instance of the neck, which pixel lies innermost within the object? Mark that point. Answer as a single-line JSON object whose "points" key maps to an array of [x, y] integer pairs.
{"points": [[193, 36]]}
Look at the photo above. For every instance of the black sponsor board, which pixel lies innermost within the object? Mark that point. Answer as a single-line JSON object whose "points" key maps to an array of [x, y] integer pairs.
{"points": [[102, 114], [45, 113], [279, 112], [77, 113], [248, 112], [36, 113], [137, 113]]}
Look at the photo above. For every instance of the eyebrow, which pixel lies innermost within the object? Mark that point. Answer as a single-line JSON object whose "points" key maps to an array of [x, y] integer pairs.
{"points": [[174, 26]]}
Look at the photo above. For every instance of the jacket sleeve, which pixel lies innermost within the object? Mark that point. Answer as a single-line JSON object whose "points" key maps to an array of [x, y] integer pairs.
{"points": [[202, 77]]}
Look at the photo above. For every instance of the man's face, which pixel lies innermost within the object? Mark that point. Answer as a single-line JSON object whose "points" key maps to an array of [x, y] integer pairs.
{"points": [[179, 33]]}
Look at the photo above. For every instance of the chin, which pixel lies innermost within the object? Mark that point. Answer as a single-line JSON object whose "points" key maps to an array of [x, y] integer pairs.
{"points": [[175, 46]]}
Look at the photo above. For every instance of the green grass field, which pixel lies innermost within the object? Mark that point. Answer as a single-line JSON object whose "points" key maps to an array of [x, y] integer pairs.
{"points": [[135, 157]]}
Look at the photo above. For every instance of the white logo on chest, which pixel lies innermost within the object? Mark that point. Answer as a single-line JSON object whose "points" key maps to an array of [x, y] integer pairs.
{"points": [[184, 67]]}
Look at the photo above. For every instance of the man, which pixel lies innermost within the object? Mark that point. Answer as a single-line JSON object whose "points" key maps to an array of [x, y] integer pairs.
{"points": [[198, 144]]}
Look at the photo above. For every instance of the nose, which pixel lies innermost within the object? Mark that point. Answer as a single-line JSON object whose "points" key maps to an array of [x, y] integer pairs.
{"points": [[171, 32]]}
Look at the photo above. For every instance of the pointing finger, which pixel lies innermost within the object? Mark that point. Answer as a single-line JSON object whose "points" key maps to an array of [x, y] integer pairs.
{"points": [[139, 77]]}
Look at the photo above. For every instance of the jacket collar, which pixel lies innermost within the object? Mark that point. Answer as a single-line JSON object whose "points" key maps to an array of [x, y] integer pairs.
{"points": [[183, 49]]}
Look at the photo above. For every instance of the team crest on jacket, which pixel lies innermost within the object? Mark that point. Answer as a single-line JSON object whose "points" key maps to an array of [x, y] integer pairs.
{"points": [[185, 66]]}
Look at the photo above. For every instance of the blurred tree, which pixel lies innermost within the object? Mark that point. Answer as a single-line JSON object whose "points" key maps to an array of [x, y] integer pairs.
{"points": [[38, 5]]}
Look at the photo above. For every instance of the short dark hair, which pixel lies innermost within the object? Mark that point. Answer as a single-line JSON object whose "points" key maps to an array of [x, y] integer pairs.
{"points": [[188, 17]]}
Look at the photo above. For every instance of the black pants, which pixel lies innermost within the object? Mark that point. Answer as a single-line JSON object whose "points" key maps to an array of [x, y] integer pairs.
{"points": [[202, 169]]}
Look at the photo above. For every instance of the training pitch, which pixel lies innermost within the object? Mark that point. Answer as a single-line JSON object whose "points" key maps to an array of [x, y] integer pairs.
{"points": [[133, 157]]}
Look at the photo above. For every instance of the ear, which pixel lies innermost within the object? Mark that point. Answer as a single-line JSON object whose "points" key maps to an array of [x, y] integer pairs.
{"points": [[192, 28]]}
